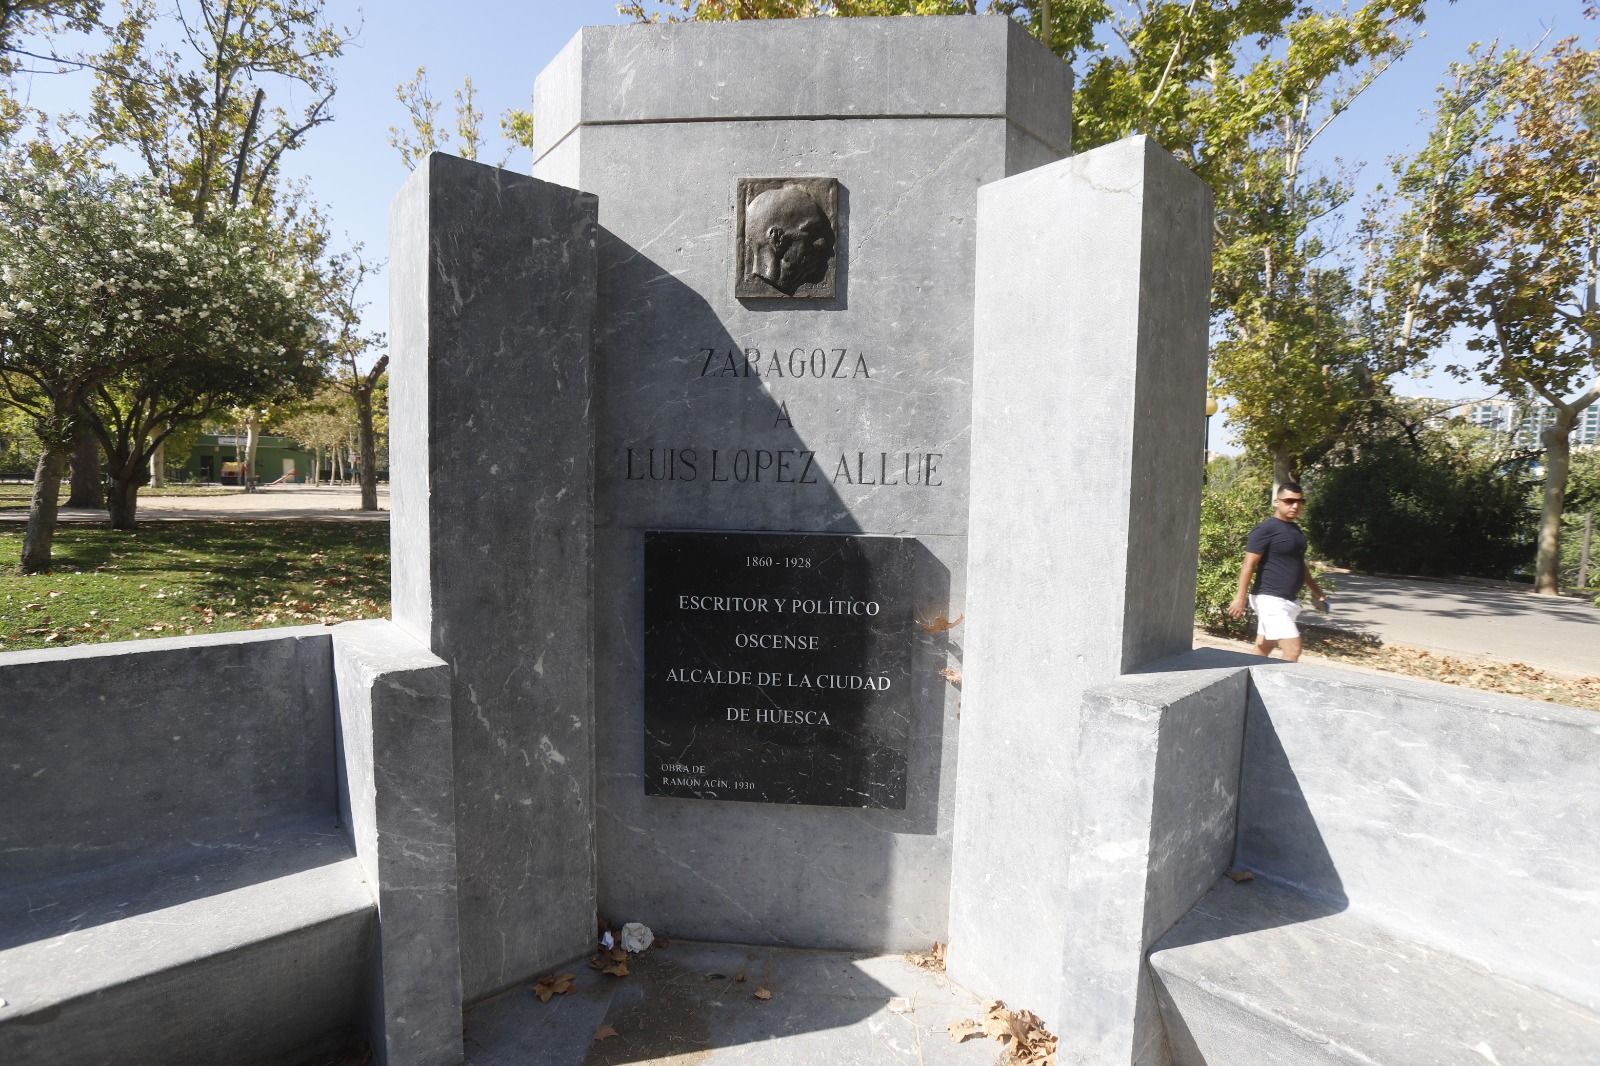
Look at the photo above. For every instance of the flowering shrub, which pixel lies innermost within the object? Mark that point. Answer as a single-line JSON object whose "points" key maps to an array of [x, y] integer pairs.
{"points": [[100, 275], [119, 309]]}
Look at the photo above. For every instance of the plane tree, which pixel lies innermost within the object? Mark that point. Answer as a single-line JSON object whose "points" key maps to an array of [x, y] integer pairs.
{"points": [[1516, 264]]}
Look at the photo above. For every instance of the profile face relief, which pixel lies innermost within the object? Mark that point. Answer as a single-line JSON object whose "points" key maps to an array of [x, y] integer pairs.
{"points": [[790, 238]]}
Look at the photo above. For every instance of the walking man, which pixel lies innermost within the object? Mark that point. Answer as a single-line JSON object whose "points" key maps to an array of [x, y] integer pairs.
{"points": [[1275, 553]]}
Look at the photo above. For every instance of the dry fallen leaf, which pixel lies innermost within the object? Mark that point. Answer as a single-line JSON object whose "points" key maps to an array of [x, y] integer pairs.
{"points": [[940, 624], [933, 959], [763, 993], [1021, 1033], [950, 674], [553, 985], [964, 1029], [613, 962], [739, 977], [1239, 877], [605, 1032]]}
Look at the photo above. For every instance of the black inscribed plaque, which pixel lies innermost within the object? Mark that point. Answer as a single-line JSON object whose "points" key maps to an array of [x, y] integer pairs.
{"points": [[777, 667]]}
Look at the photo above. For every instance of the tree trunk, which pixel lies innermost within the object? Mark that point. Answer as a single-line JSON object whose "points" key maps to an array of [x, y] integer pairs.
{"points": [[1557, 461], [369, 452], [41, 529], [123, 501], [86, 490], [1282, 469], [158, 466], [252, 437]]}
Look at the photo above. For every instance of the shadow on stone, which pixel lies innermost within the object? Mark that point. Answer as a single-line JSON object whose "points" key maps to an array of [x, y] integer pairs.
{"points": [[1278, 834], [764, 873], [1278, 841], [162, 879]]}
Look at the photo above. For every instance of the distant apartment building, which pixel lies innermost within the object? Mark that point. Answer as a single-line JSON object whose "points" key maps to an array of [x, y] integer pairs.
{"points": [[1523, 421]]}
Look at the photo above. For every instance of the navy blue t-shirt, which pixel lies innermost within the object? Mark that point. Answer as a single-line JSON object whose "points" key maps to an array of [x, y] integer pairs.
{"points": [[1282, 548]]}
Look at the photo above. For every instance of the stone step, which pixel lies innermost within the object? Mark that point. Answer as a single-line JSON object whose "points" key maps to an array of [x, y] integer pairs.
{"points": [[1259, 973], [243, 951]]}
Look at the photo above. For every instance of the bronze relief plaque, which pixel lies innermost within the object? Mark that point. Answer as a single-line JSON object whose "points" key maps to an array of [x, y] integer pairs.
{"points": [[786, 243]]}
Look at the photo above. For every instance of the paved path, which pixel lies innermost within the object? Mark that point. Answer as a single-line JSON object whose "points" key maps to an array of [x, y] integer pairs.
{"points": [[1503, 623], [299, 502], [685, 1005]]}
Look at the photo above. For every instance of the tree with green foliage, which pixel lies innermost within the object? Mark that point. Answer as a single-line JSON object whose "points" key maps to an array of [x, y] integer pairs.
{"points": [[1289, 350], [1581, 521], [324, 423], [425, 133], [1516, 263], [358, 381], [200, 116], [204, 116], [1235, 498], [24, 19], [116, 309], [1426, 498], [18, 446]]}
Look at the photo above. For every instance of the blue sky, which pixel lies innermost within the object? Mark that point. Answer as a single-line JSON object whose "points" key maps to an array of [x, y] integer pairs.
{"points": [[503, 45]]}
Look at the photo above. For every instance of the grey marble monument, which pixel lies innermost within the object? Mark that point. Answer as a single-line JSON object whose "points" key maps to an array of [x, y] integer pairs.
{"points": [[770, 342]]}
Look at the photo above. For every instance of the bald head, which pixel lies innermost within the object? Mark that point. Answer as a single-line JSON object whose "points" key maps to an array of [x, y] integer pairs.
{"points": [[788, 237]]}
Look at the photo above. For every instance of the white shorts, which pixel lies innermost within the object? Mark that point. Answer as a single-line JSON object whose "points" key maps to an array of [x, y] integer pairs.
{"points": [[1275, 617]]}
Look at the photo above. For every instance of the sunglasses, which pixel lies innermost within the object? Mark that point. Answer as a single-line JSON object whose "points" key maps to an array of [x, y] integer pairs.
{"points": [[1292, 501]]}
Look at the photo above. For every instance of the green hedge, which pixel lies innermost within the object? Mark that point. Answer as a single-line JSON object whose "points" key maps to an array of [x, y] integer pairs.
{"points": [[1236, 497], [1405, 508]]}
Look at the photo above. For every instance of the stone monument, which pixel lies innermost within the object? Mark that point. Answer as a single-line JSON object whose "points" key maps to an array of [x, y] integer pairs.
{"points": [[794, 526], [709, 401]]}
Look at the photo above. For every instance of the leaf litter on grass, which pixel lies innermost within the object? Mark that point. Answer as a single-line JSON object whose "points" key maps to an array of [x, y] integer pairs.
{"points": [[168, 579], [1485, 675]]}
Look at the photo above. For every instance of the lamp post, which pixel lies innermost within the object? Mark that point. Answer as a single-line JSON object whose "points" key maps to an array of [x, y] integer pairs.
{"points": [[1205, 454]]}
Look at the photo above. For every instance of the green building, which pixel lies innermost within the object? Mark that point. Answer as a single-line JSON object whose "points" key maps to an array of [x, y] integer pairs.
{"points": [[215, 457]]}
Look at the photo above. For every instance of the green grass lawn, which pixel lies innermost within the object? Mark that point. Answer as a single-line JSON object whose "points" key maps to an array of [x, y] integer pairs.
{"points": [[15, 494], [176, 578]]}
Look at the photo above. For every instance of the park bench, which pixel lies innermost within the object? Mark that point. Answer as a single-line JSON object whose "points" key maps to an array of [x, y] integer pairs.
{"points": [[195, 867], [1423, 891]]}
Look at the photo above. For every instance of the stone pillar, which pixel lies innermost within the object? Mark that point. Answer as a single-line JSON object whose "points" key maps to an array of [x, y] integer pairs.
{"points": [[492, 301], [396, 803], [1093, 282]]}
